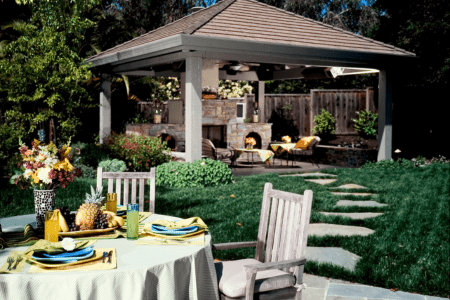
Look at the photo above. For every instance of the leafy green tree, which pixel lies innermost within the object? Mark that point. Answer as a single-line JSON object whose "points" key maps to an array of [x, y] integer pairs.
{"points": [[41, 70]]}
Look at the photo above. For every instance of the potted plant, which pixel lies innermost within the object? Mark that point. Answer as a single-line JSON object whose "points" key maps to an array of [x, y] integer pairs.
{"points": [[325, 123], [209, 92]]}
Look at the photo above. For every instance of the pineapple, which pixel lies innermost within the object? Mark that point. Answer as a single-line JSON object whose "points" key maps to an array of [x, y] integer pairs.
{"points": [[87, 212]]}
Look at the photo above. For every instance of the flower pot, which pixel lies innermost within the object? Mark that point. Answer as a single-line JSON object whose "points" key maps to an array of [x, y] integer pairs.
{"points": [[157, 119], [44, 200]]}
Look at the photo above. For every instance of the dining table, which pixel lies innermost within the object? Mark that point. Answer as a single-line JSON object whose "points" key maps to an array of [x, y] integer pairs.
{"points": [[265, 155], [143, 272], [279, 148]]}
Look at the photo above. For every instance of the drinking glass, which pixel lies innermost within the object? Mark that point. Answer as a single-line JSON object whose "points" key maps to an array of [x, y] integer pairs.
{"points": [[111, 202], [51, 225], [132, 221]]}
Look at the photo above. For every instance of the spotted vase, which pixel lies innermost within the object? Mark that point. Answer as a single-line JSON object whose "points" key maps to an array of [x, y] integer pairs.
{"points": [[44, 200]]}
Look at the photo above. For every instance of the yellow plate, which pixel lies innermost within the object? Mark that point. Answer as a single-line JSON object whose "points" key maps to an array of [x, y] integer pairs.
{"points": [[174, 237], [86, 232], [97, 255]]}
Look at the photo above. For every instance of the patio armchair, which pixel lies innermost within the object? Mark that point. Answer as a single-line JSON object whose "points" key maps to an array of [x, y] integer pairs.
{"points": [[277, 270], [126, 176], [308, 152], [210, 151]]}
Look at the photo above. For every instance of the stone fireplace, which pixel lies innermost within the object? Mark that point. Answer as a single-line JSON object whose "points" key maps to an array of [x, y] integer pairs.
{"points": [[219, 125]]}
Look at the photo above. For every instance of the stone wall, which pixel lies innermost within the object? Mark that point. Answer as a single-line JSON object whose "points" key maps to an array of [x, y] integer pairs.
{"points": [[343, 156], [177, 131]]}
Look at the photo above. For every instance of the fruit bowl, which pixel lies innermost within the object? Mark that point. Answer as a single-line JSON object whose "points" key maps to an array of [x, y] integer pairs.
{"points": [[86, 232]]}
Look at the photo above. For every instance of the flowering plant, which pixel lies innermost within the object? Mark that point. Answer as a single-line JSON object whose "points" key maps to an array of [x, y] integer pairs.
{"points": [[45, 167], [250, 141], [209, 90], [286, 139], [228, 88]]}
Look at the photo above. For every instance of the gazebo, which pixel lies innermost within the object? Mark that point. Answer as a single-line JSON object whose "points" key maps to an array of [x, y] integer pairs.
{"points": [[248, 40]]}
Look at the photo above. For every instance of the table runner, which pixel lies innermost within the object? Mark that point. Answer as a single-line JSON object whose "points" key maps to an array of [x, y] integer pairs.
{"points": [[265, 155]]}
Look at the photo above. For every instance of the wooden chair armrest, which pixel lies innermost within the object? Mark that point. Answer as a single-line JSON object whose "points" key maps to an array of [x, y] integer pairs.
{"points": [[275, 265], [234, 245], [251, 270]]}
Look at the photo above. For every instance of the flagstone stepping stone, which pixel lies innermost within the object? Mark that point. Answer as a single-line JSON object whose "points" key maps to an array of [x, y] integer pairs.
{"points": [[323, 229], [350, 186], [334, 255], [321, 181], [354, 194], [310, 174], [359, 203], [354, 216]]}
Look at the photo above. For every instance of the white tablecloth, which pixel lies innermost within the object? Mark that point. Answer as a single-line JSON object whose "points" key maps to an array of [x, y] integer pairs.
{"points": [[143, 272]]}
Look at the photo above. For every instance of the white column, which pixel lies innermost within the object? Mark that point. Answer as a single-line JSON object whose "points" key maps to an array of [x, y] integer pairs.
{"points": [[193, 110], [385, 96], [105, 107], [261, 100]]}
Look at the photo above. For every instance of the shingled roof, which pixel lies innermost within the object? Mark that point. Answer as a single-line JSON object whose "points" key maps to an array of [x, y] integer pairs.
{"points": [[250, 20]]}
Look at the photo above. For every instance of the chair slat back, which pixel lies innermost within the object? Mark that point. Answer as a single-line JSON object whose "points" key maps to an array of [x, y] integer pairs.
{"points": [[135, 177], [283, 227]]}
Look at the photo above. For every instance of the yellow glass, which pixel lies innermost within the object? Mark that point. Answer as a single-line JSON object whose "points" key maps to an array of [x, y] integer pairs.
{"points": [[132, 221], [51, 225], [111, 202]]}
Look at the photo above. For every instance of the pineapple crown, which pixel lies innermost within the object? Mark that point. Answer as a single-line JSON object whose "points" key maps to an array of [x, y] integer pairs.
{"points": [[95, 197]]}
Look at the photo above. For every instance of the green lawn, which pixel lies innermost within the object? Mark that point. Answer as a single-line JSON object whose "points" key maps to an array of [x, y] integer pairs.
{"points": [[409, 249]]}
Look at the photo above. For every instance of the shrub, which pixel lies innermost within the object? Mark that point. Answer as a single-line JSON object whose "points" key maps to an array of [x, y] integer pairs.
{"points": [[88, 172], [91, 154], [9, 147], [204, 172], [367, 123], [114, 165], [324, 123], [140, 153]]}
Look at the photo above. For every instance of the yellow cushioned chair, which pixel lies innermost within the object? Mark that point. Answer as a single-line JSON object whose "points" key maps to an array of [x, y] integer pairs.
{"points": [[304, 142]]}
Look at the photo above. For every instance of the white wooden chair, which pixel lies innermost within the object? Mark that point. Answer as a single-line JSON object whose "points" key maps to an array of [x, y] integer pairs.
{"points": [[277, 270], [126, 176]]}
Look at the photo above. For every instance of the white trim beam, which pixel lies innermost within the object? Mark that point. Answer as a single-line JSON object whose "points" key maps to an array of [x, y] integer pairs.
{"points": [[148, 62], [105, 107], [143, 73], [193, 109], [385, 97]]}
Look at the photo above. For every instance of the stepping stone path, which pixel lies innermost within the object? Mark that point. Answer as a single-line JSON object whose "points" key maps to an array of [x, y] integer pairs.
{"points": [[350, 186], [354, 216], [321, 181], [354, 194], [359, 203], [310, 175], [334, 255], [322, 229]]}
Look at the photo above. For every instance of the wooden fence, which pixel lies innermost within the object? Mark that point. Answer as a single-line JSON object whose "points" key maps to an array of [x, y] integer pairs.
{"points": [[342, 104]]}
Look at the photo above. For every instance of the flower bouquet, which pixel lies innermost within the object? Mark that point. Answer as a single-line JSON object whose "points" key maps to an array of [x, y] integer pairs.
{"points": [[286, 139], [44, 168], [250, 142]]}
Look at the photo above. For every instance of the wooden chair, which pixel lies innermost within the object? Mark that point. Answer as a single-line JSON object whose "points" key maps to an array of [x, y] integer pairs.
{"points": [[277, 270], [210, 151], [126, 176]]}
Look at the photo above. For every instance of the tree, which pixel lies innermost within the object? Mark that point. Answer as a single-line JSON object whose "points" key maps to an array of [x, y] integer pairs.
{"points": [[42, 72]]}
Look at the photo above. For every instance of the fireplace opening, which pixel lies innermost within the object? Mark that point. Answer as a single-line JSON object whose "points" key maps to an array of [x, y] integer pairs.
{"points": [[257, 138], [171, 143]]}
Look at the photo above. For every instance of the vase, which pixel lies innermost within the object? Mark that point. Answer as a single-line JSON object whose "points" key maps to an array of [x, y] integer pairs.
{"points": [[157, 119], [44, 200], [249, 147]]}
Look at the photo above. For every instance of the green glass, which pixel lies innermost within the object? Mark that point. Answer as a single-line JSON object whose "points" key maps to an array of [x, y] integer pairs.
{"points": [[132, 221]]}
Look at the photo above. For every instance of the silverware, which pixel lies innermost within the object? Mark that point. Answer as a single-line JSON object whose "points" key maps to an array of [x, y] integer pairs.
{"points": [[19, 259], [10, 261], [109, 256], [105, 254]]}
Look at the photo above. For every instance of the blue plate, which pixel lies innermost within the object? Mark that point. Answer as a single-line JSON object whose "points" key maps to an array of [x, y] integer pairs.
{"points": [[75, 253], [64, 259], [180, 231]]}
